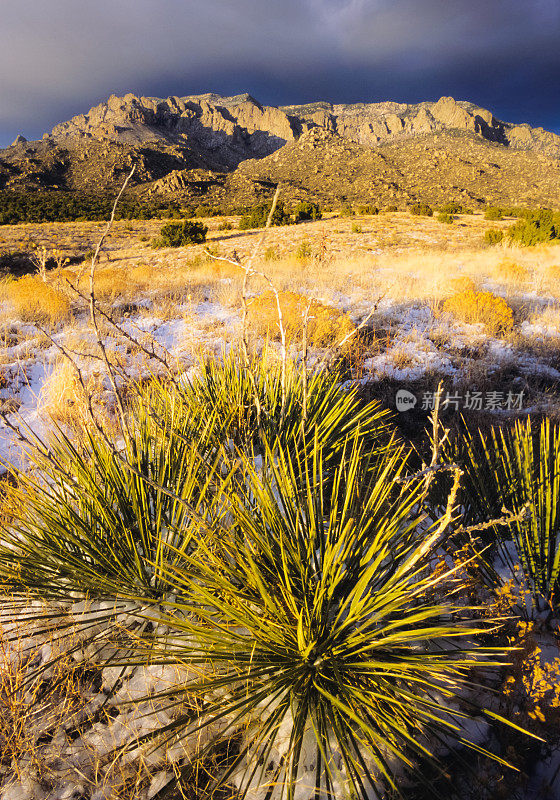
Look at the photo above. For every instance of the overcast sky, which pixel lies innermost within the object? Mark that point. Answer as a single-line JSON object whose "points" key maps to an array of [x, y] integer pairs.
{"points": [[60, 57]]}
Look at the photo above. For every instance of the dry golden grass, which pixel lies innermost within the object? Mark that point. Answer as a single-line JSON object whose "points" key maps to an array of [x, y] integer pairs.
{"points": [[65, 401], [511, 272], [229, 293], [463, 283], [326, 325], [33, 300], [548, 317], [111, 283], [32, 706], [481, 307]]}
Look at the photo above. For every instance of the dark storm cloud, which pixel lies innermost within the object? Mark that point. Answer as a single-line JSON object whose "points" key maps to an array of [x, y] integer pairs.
{"points": [[57, 57]]}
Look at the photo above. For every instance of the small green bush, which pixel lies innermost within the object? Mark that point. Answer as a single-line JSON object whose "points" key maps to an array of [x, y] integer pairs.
{"points": [[347, 211], [225, 226], [207, 211], [493, 236], [179, 234], [446, 218], [453, 208], [494, 213], [356, 228], [421, 210], [306, 211], [368, 211], [304, 251], [258, 216], [535, 228], [392, 208]]}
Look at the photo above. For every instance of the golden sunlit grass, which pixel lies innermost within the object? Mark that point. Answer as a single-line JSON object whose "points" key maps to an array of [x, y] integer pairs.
{"points": [[33, 300], [32, 707], [111, 283], [548, 317], [64, 400], [481, 307], [511, 272], [326, 325]]}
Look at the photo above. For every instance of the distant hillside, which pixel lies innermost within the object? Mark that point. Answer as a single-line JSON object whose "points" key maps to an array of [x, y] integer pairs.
{"points": [[233, 149]]}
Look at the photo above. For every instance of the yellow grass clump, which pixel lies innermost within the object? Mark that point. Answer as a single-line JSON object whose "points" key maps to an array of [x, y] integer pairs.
{"points": [[64, 400], [463, 283], [33, 300], [110, 283], [552, 277], [326, 325], [481, 307], [510, 271]]}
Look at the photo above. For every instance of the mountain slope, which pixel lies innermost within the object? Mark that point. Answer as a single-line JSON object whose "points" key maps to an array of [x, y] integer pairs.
{"points": [[234, 149]]}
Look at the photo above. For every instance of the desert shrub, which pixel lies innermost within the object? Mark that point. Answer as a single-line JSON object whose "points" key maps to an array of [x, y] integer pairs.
{"points": [[245, 400], [347, 211], [304, 250], [493, 236], [206, 211], [180, 234], [105, 539], [474, 307], [421, 210], [392, 208], [536, 227], [33, 300], [453, 208], [494, 213], [327, 325], [307, 210], [258, 216], [446, 218], [368, 211], [55, 206], [225, 226], [271, 254], [356, 228]]}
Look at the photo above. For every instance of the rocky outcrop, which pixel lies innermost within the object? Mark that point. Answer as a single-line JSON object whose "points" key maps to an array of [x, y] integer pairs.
{"points": [[188, 146], [225, 130], [232, 129]]}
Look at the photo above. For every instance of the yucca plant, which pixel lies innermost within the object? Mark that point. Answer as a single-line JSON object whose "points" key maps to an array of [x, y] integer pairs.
{"points": [[317, 637], [518, 470], [248, 399], [90, 520]]}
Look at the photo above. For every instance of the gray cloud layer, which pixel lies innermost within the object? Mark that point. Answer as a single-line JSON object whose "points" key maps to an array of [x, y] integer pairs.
{"points": [[59, 56]]}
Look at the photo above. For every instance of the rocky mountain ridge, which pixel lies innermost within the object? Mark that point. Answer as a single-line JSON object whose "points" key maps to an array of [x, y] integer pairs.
{"points": [[194, 146]]}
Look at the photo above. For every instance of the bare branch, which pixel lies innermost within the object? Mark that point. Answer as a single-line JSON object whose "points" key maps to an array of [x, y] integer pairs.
{"points": [[250, 272], [93, 308]]}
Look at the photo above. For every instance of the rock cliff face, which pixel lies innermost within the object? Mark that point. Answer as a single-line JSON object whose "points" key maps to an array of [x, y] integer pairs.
{"points": [[193, 146], [225, 131], [233, 129]]}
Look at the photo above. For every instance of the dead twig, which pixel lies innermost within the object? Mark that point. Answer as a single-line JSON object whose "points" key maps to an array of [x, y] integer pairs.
{"points": [[250, 272], [93, 307]]}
